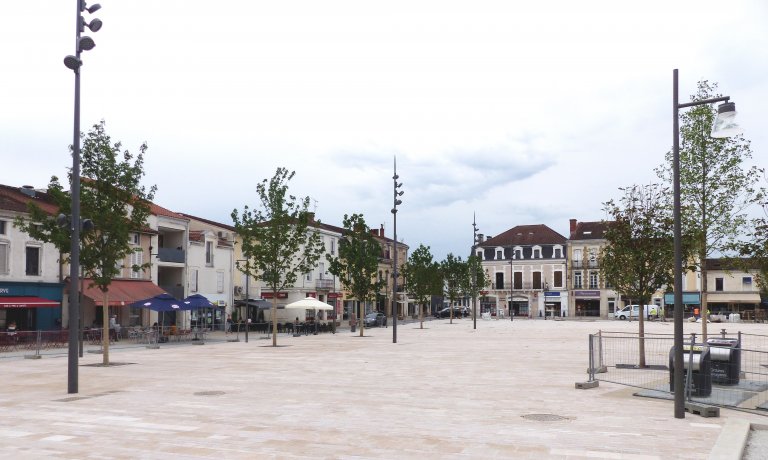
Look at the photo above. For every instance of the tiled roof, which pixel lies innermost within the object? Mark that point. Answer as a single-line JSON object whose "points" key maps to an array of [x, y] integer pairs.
{"points": [[208, 221], [523, 235], [13, 199], [161, 211], [590, 230]]}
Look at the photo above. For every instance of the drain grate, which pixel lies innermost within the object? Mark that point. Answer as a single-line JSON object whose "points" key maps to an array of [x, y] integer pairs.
{"points": [[209, 393], [544, 417]]}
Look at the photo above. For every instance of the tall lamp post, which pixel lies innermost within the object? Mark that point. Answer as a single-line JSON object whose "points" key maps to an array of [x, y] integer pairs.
{"points": [[474, 274], [82, 43], [397, 201], [247, 294], [724, 126]]}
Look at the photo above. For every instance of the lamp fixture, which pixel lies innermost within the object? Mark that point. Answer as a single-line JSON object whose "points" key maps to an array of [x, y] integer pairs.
{"points": [[725, 122]]}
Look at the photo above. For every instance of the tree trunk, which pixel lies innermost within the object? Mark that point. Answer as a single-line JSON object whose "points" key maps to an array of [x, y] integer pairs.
{"points": [[105, 329], [274, 318], [703, 298], [361, 316], [641, 332]]}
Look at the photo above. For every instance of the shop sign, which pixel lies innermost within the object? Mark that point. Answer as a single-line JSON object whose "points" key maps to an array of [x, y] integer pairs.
{"points": [[551, 293], [586, 293], [269, 295], [334, 295]]}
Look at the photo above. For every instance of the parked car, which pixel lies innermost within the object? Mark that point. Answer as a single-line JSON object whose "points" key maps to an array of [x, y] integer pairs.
{"points": [[446, 312], [375, 319], [633, 311]]}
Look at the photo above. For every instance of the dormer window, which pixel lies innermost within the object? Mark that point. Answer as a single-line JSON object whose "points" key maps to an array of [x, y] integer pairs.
{"points": [[536, 252], [517, 253], [479, 254], [499, 253], [557, 252]]}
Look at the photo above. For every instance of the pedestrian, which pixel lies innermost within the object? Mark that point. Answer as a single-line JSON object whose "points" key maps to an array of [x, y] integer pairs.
{"points": [[113, 327], [229, 324]]}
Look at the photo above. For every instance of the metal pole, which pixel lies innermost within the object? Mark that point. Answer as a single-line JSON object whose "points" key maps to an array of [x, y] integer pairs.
{"points": [[678, 265], [394, 271], [247, 296], [74, 266], [474, 274]]}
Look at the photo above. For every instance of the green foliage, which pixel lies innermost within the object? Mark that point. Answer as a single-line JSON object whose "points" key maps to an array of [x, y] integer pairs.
{"points": [[111, 196], [358, 260], [638, 259], [422, 276], [278, 239], [474, 284], [455, 275]]}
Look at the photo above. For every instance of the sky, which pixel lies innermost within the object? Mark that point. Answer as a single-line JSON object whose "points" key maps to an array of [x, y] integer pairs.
{"points": [[513, 112]]}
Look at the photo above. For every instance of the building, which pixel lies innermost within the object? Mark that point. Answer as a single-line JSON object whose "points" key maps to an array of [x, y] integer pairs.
{"points": [[385, 273], [590, 296], [31, 272], [527, 266]]}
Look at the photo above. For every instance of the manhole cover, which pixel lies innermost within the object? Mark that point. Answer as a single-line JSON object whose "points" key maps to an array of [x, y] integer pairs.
{"points": [[209, 393], [544, 417]]}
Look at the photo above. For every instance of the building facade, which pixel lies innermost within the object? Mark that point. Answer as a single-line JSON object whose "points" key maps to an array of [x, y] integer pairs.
{"points": [[590, 295]]}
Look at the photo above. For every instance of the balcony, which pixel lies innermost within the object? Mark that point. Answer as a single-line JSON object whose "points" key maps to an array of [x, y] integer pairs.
{"points": [[174, 255], [324, 285], [584, 264]]}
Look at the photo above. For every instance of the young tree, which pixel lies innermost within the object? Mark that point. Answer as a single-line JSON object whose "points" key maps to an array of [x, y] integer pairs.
{"points": [[638, 258], [279, 238], [455, 275], [716, 186], [112, 197], [474, 284], [357, 263], [421, 273]]}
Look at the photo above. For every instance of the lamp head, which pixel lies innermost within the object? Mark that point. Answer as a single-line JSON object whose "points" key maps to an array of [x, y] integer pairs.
{"points": [[93, 8], [72, 62], [94, 25], [85, 43], [725, 123]]}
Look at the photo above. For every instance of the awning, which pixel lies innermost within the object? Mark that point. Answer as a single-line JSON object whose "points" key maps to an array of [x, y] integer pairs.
{"points": [[122, 292], [27, 302], [733, 297], [258, 303]]}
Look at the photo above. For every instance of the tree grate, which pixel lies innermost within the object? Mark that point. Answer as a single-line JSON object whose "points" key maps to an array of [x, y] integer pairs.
{"points": [[544, 417]]}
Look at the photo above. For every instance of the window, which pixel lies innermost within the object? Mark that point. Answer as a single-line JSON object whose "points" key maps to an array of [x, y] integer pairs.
{"points": [[499, 280], [611, 304], [537, 280], [558, 279], [479, 254], [220, 281], [2, 227], [718, 284], [33, 261], [499, 254], [577, 256], [577, 280], [592, 257], [536, 252], [518, 280], [517, 253], [193, 279], [593, 280], [4, 257], [746, 282], [557, 252], [134, 238], [333, 246], [308, 276], [137, 259], [321, 266], [209, 253]]}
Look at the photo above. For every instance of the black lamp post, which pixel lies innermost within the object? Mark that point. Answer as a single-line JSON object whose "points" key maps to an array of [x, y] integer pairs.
{"points": [[74, 63], [397, 201], [247, 296], [474, 274], [724, 126]]}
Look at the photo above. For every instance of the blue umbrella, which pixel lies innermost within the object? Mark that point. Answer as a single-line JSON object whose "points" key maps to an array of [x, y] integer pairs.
{"points": [[196, 301], [160, 302]]}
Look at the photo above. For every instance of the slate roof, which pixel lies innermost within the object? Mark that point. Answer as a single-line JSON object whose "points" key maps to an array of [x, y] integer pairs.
{"points": [[590, 230], [525, 235]]}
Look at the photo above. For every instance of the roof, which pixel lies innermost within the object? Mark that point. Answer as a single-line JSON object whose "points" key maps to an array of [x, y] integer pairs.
{"points": [[161, 211], [729, 264], [14, 199], [523, 235], [122, 292], [208, 221], [590, 230]]}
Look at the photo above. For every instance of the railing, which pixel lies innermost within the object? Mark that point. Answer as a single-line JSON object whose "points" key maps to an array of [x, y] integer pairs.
{"points": [[585, 264], [526, 286], [171, 255], [732, 376], [323, 284]]}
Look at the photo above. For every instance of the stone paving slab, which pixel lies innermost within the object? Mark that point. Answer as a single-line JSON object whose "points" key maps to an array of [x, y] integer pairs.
{"points": [[504, 390]]}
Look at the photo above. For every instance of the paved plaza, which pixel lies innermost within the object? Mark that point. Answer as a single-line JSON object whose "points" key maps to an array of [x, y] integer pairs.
{"points": [[504, 390]]}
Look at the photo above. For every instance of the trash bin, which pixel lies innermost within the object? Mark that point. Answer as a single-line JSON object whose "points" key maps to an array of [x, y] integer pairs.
{"points": [[725, 354], [701, 372]]}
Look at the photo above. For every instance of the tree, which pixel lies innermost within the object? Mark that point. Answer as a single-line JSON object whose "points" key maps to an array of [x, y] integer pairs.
{"points": [[112, 197], [715, 185], [638, 259], [279, 239], [474, 284], [422, 278], [357, 263], [455, 275]]}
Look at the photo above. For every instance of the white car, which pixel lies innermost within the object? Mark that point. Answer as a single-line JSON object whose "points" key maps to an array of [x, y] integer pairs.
{"points": [[633, 311]]}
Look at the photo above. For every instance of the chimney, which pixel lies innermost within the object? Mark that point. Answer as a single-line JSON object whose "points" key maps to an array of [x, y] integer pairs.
{"points": [[374, 232], [381, 231], [28, 190], [573, 225]]}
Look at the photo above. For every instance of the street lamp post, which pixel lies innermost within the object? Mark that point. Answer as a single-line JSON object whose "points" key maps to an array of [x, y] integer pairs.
{"points": [[247, 294], [724, 127], [397, 201], [82, 43], [474, 274]]}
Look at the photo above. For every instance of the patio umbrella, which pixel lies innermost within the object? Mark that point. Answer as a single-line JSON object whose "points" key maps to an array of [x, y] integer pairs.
{"points": [[310, 303], [161, 303], [196, 301]]}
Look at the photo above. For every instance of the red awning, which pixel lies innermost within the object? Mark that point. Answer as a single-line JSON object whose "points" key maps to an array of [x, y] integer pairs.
{"points": [[27, 302], [122, 292]]}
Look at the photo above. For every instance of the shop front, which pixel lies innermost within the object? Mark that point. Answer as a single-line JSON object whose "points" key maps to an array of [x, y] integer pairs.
{"points": [[31, 306], [691, 304], [520, 306], [587, 303], [553, 304]]}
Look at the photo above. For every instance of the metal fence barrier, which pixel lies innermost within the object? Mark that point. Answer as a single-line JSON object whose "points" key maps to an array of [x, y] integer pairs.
{"points": [[730, 370]]}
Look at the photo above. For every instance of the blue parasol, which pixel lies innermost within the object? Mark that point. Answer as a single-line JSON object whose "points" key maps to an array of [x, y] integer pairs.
{"points": [[161, 302]]}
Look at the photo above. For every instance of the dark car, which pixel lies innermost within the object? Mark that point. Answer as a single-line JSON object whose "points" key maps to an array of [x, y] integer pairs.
{"points": [[375, 319], [446, 312]]}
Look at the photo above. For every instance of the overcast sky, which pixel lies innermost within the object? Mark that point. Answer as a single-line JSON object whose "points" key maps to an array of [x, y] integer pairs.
{"points": [[520, 112]]}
